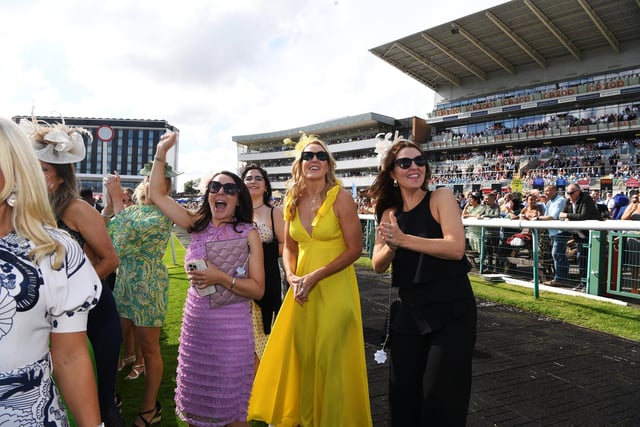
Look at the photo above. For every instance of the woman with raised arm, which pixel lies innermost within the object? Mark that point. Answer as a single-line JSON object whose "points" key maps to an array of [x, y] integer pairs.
{"points": [[225, 267], [142, 280], [269, 221], [58, 148], [47, 287], [433, 335], [313, 372]]}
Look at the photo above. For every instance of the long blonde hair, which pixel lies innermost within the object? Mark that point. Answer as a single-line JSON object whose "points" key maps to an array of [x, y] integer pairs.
{"points": [[297, 184], [23, 175]]}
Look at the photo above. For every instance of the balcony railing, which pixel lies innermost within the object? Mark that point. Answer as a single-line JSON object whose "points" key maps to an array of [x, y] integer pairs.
{"points": [[611, 266]]}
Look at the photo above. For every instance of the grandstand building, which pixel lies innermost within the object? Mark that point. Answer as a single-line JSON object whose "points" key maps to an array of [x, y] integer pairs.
{"points": [[122, 145], [352, 142], [538, 90]]}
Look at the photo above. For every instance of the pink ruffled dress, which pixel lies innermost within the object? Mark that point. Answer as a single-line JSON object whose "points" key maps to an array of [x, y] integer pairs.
{"points": [[215, 353]]}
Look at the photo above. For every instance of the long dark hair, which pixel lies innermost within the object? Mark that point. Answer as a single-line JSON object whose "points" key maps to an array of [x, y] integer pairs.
{"points": [[268, 191], [244, 208], [67, 191], [382, 190]]}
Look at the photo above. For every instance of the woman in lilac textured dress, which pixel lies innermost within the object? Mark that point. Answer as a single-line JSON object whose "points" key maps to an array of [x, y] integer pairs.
{"points": [[215, 356]]}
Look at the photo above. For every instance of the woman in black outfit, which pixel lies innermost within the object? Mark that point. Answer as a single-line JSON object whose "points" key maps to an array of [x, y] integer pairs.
{"points": [[433, 334]]}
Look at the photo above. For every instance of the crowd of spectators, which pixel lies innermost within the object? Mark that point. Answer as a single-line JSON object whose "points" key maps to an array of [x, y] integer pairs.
{"points": [[559, 121]]}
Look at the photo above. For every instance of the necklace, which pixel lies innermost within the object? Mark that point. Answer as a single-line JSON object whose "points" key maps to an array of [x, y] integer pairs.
{"points": [[314, 203], [258, 207]]}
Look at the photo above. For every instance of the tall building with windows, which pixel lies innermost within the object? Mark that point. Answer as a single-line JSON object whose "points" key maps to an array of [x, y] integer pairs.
{"points": [[351, 140], [550, 83], [122, 145]]}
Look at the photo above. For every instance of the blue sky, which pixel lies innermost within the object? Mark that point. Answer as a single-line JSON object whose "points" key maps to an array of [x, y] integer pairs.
{"points": [[213, 69]]}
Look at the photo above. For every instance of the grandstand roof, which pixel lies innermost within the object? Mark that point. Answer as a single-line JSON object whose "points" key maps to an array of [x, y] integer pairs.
{"points": [[518, 37], [361, 121]]}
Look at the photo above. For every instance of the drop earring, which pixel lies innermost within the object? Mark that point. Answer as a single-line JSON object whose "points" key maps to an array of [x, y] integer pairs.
{"points": [[395, 182], [11, 200]]}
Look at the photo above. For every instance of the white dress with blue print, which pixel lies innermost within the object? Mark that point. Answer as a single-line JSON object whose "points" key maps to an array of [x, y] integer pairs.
{"points": [[35, 301]]}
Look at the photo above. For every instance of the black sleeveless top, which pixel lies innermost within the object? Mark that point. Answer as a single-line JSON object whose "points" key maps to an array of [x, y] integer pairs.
{"points": [[413, 269], [432, 290], [272, 298], [75, 234]]}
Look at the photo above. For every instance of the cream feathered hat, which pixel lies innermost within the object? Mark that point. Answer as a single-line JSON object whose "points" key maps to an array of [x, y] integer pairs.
{"points": [[57, 143]]}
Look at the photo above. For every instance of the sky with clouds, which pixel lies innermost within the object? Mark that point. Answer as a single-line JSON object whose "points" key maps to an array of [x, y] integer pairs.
{"points": [[213, 69]]}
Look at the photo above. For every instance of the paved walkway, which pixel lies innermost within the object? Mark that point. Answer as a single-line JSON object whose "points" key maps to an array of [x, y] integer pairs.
{"points": [[528, 370]]}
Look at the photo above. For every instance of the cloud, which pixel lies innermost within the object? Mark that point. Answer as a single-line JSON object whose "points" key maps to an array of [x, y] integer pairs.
{"points": [[213, 69]]}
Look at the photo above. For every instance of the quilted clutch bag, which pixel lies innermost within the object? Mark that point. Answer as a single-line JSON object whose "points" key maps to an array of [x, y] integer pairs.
{"points": [[232, 257]]}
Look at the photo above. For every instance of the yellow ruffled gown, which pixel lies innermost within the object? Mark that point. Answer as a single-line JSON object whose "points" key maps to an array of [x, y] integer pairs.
{"points": [[313, 372]]}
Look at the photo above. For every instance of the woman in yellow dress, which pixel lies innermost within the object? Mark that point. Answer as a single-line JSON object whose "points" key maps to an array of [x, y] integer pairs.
{"points": [[313, 371]]}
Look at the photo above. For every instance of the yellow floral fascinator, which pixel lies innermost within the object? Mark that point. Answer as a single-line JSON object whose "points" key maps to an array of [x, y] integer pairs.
{"points": [[302, 142], [57, 143]]}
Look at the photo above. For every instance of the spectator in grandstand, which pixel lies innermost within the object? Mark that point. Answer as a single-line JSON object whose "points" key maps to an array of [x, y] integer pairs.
{"points": [[48, 287], [142, 280], [215, 354], [311, 375], [270, 223], [610, 202], [603, 211], [632, 244], [559, 238], [422, 237], [84, 224], [620, 203], [473, 209], [87, 195], [532, 209], [579, 207], [491, 209]]}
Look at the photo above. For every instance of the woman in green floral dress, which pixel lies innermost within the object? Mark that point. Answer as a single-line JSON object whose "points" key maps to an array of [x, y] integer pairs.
{"points": [[140, 234]]}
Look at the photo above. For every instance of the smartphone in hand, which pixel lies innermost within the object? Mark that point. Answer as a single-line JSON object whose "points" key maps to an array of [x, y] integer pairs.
{"points": [[196, 264], [200, 264]]}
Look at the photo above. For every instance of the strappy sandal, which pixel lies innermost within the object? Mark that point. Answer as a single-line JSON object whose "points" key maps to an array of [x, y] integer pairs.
{"points": [[157, 416], [126, 361], [136, 371]]}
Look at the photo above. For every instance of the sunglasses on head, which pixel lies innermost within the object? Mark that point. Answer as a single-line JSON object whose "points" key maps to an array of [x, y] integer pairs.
{"points": [[229, 189], [256, 178], [323, 156], [405, 162]]}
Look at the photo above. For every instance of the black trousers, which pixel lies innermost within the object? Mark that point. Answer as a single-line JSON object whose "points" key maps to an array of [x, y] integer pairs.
{"points": [[103, 331], [430, 374]]}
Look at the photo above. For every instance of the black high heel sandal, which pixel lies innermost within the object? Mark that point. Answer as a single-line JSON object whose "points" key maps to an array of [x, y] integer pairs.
{"points": [[157, 416]]}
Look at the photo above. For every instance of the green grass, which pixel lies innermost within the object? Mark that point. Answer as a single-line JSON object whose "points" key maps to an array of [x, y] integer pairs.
{"points": [[601, 316], [131, 391]]}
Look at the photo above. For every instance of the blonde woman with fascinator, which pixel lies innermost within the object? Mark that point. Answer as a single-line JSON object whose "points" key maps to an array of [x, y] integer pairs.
{"points": [[313, 371], [59, 147], [225, 267], [433, 334], [47, 288]]}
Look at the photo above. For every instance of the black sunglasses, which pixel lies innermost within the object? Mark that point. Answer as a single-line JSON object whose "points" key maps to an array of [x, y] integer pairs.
{"points": [[571, 192], [323, 156], [405, 162], [229, 189]]}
